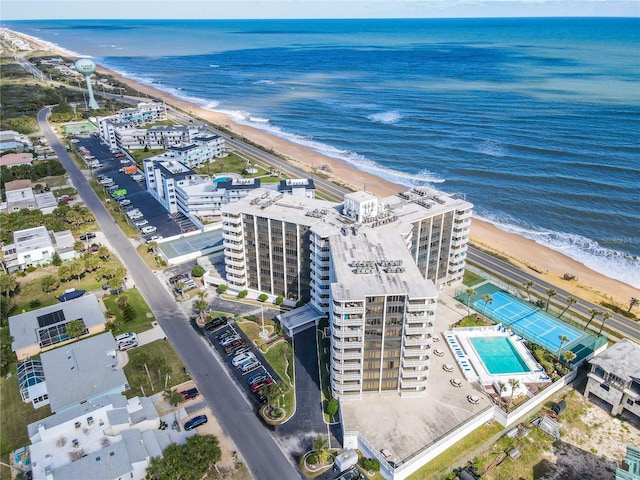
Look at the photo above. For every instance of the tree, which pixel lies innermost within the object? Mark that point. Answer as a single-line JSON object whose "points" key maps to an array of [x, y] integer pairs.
{"points": [[634, 302], [502, 388], [76, 268], [321, 445], [128, 313], [122, 301], [243, 293], [221, 288], [605, 316], [56, 261], [64, 272], [49, 283], [192, 460], [91, 262], [103, 252], [197, 271], [550, 292], [563, 339], [487, 299], [332, 407], [75, 328], [569, 356], [78, 246], [527, 286], [8, 283], [201, 305], [513, 383], [469, 292], [570, 301], [594, 313], [263, 297], [273, 393], [279, 300], [370, 464]]}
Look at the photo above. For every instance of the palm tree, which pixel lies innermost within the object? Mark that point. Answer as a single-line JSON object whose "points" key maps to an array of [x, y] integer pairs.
{"points": [[201, 305], [563, 339], [605, 316], [634, 302], [502, 387], [527, 286], [469, 292], [570, 301], [594, 313], [155, 468], [75, 328], [513, 383], [569, 356], [321, 445], [487, 299], [550, 292]]}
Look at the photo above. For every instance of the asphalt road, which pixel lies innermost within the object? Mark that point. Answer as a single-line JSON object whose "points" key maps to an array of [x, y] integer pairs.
{"points": [[237, 418], [493, 265]]}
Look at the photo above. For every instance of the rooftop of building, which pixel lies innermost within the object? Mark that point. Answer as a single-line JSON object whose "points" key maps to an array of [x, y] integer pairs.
{"points": [[32, 239], [15, 159], [621, 359], [17, 185], [373, 262], [82, 370], [21, 195], [173, 168]]}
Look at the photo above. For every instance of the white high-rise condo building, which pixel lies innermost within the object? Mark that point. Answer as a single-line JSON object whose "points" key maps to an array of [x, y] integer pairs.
{"points": [[373, 266]]}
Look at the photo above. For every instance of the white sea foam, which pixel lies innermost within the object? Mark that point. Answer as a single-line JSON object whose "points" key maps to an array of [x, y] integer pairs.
{"points": [[392, 116], [492, 148], [50, 45], [264, 82], [612, 263], [214, 66]]}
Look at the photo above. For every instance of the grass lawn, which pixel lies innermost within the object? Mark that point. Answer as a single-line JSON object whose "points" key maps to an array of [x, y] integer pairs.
{"points": [[15, 415], [437, 467], [140, 155], [140, 323], [30, 288], [57, 181], [162, 359], [470, 277]]}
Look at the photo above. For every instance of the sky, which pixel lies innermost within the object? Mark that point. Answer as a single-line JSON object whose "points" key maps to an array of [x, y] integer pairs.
{"points": [[271, 9]]}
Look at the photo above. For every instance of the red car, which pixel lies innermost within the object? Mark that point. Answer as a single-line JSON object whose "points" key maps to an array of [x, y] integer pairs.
{"points": [[256, 387], [189, 394]]}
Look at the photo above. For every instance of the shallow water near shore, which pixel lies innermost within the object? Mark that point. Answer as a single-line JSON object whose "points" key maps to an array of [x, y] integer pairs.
{"points": [[536, 121]]}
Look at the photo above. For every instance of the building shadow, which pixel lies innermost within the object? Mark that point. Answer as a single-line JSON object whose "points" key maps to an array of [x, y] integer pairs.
{"points": [[574, 463]]}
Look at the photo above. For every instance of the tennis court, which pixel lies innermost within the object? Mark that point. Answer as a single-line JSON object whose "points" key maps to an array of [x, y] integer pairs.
{"points": [[203, 243], [532, 323]]}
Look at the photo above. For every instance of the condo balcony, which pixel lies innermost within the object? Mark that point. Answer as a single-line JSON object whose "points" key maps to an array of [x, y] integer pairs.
{"points": [[235, 254], [232, 244], [345, 376], [416, 351], [348, 322], [237, 271], [418, 330], [416, 307], [459, 241], [414, 384], [348, 333], [234, 262], [415, 372], [231, 236], [415, 362], [348, 342], [348, 365], [462, 214], [340, 309], [342, 355], [339, 387], [232, 227], [416, 341]]}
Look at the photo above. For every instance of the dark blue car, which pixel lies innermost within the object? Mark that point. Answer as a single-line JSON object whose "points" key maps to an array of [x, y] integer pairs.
{"points": [[196, 422]]}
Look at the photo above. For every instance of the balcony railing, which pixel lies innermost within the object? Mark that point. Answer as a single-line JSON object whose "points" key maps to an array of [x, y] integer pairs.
{"points": [[346, 355], [409, 341], [341, 322], [345, 377], [410, 330], [234, 262], [231, 227], [348, 365], [348, 333], [345, 387], [413, 362], [337, 308], [413, 384]]}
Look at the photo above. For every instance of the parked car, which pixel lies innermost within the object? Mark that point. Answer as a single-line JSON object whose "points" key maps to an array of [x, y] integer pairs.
{"points": [[256, 377], [148, 229], [225, 334], [119, 198], [215, 324], [239, 359], [140, 223], [260, 397], [189, 394], [226, 341], [239, 349], [87, 236], [65, 198], [123, 336], [235, 344], [256, 387], [127, 344], [249, 365], [196, 422]]}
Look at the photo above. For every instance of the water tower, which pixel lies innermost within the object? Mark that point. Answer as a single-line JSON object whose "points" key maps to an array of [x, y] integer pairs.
{"points": [[86, 67]]}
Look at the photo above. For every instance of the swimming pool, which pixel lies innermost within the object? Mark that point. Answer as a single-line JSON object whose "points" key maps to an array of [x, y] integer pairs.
{"points": [[498, 355]]}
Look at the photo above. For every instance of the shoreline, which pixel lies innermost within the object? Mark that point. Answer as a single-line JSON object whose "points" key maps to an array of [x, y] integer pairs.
{"points": [[531, 256]]}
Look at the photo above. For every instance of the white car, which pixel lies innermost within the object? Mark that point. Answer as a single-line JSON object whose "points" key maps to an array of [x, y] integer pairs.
{"points": [[148, 229], [141, 223], [243, 357], [127, 344], [126, 337]]}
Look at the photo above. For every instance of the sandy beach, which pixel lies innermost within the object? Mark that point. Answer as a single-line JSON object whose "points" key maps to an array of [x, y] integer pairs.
{"points": [[529, 255]]}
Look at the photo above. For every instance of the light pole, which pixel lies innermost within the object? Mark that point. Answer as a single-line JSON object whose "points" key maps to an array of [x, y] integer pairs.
{"points": [[263, 332]]}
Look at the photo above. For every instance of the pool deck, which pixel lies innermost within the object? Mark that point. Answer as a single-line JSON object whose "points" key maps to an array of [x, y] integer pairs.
{"points": [[411, 424]]}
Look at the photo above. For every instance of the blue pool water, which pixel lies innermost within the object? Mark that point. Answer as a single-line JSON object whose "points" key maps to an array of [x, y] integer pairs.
{"points": [[499, 355]]}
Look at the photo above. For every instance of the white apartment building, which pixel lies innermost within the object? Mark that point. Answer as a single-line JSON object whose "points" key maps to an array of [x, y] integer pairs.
{"points": [[203, 148], [165, 177], [372, 265], [12, 140], [143, 114], [36, 246]]}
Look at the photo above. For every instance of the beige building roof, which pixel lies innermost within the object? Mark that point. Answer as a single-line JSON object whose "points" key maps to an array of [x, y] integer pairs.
{"points": [[12, 159], [17, 185]]}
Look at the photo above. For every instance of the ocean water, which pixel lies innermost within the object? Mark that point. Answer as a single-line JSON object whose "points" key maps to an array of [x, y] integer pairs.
{"points": [[536, 121]]}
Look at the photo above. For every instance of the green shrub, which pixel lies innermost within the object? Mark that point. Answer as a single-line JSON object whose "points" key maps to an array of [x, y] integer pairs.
{"points": [[35, 303], [279, 300], [263, 297], [242, 293], [312, 459], [128, 313], [331, 407], [197, 271], [31, 268], [221, 288], [370, 464]]}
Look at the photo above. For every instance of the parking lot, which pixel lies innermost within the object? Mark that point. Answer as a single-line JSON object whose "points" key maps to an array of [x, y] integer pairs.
{"points": [[151, 210], [235, 371]]}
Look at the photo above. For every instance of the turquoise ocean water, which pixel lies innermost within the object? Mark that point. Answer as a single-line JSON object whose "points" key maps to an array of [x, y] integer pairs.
{"points": [[536, 121]]}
